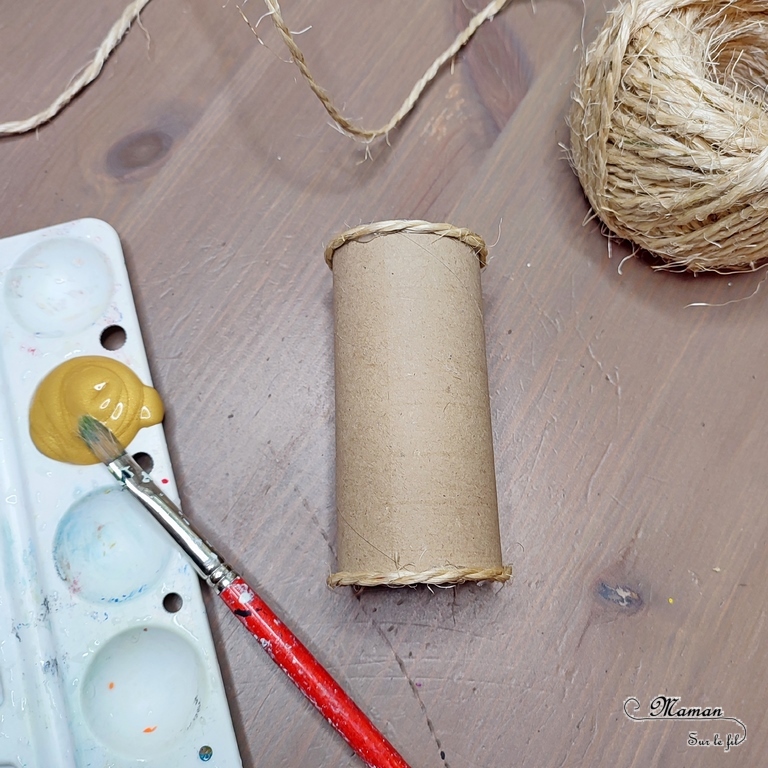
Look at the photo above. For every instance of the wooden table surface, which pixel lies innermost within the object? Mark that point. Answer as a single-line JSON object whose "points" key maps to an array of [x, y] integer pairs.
{"points": [[628, 424]]}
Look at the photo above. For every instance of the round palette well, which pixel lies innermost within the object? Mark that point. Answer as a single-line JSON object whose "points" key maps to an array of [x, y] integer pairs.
{"points": [[142, 691], [59, 287], [108, 549]]}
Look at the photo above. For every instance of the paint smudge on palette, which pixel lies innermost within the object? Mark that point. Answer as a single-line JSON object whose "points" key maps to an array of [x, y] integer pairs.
{"points": [[107, 548], [59, 287], [157, 687]]}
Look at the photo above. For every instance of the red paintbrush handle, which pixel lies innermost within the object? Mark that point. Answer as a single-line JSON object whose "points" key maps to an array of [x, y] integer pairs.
{"points": [[289, 653]]}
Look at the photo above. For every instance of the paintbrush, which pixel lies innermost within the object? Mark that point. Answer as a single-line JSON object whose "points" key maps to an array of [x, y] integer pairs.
{"points": [[282, 646]]}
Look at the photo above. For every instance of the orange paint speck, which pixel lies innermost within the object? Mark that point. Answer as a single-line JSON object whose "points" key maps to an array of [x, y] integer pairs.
{"points": [[111, 686], [151, 729]]}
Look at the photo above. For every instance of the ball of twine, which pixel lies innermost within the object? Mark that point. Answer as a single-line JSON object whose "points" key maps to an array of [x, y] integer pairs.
{"points": [[669, 130]]}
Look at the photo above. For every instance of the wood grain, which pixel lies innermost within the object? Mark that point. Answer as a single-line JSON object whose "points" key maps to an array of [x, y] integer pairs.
{"points": [[627, 424]]}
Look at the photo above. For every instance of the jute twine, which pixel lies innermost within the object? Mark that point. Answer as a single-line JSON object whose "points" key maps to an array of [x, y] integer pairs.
{"points": [[88, 75], [405, 578], [669, 130], [413, 226], [131, 14]]}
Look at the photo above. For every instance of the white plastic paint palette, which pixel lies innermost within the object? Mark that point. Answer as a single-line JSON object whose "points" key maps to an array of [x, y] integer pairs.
{"points": [[106, 657]]}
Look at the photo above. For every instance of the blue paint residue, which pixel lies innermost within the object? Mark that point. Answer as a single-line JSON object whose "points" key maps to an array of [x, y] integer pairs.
{"points": [[122, 598], [105, 551]]}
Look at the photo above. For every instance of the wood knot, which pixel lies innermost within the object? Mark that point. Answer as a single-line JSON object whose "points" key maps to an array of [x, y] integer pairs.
{"points": [[619, 595], [136, 151]]}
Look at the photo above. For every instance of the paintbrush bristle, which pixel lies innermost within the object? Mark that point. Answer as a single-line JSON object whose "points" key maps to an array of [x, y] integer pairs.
{"points": [[105, 446]]}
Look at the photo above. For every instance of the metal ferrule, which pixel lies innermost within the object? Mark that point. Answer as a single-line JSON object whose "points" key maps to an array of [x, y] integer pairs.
{"points": [[204, 557]]}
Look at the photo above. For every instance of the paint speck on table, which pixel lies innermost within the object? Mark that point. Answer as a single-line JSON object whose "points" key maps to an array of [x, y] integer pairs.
{"points": [[150, 729], [205, 753]]}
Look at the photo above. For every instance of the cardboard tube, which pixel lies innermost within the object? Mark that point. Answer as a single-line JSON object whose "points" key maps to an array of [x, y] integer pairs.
{"points": [[415, 480]]}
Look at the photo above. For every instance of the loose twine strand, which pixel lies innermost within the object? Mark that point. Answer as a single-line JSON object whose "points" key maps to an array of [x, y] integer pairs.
{"points": [[88, 75], [350, 128], [131, 14], [412, 226]]}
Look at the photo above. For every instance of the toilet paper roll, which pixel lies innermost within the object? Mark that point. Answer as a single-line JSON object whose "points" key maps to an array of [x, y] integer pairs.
{"points": [[415, 481]]}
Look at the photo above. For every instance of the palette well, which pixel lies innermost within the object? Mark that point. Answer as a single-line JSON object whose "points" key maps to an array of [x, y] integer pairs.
{"points": [[106, 656]]}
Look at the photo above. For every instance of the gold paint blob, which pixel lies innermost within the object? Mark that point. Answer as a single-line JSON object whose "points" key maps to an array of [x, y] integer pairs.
{"points": [[94, 385]]}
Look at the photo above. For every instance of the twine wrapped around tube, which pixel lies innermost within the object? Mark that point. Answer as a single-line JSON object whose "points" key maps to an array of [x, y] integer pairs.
{"points": [[669, 130], [415, 481], [410, 226]]}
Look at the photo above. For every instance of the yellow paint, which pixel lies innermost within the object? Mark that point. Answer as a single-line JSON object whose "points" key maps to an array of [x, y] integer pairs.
{"points": [[670, 600], [94, 385]]}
